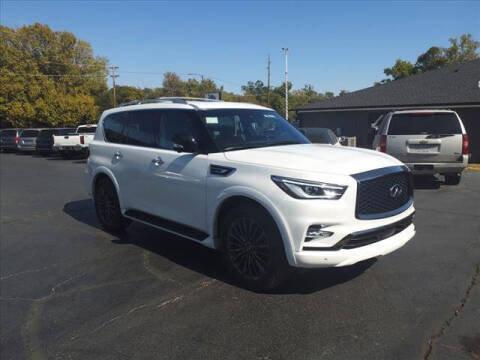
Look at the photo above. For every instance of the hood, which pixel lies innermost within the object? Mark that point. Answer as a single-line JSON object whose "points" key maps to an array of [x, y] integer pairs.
{"points": [[315, 157]]}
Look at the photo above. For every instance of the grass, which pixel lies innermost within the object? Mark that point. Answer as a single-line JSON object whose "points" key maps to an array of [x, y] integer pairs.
{"points": [[473, 167]]}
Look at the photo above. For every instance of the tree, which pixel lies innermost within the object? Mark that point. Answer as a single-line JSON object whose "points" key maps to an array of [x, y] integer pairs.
{"points": [[461, 50], [173, 85], [400, 70], [432, 59], [49, 78]]}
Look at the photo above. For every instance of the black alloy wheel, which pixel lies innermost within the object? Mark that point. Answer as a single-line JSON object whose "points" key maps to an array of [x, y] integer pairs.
{"points": [[252, 248], [107, 206], [248, 248]]}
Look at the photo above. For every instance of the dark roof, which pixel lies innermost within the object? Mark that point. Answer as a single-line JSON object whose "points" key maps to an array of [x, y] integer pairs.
{"points": [[452, 85]]}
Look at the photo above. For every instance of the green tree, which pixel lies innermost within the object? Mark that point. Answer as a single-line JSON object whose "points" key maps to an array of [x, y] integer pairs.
{"points": [[432, 59], [173, 85], [400, 70], [49, 78], [460, 50]]}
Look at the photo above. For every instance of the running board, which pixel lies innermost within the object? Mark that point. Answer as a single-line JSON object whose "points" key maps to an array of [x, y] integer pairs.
{"points": [[168, 225]]}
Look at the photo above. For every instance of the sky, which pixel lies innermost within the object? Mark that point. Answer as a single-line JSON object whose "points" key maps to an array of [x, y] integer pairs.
{"points": [[333, 45]]}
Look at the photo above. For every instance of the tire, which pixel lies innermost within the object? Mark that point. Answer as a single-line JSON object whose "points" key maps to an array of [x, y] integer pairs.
{"points": [[453, 179], [252, 248], [107, 207]]}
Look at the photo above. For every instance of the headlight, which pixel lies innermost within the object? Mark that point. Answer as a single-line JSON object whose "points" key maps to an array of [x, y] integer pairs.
{"points": [[303, 189]]}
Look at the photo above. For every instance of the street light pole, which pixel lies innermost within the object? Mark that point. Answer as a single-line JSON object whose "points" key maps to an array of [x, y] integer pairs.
{"points": [[286, 82]]}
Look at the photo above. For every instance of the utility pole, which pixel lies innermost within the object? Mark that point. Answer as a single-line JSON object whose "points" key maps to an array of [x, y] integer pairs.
{"points": [[113, 76], [268, 80], [286, 82]]}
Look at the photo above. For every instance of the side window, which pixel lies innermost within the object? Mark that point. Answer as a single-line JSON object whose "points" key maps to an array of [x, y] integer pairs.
{"points": [[143, 128], [179, 122], [113, 126]]}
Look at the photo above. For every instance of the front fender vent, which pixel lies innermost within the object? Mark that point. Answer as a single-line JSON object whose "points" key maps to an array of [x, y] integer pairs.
{"points": [[221, 170]]}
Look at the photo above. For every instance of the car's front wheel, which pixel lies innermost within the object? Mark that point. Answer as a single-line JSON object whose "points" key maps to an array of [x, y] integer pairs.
{"points": [[107, 206], [252, 248], [453, 179]]}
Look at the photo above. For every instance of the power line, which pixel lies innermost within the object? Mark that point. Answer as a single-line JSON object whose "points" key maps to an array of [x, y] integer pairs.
{"points": [[54, 75]]}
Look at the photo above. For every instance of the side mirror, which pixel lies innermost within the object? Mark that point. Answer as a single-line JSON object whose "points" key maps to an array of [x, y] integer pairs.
{"points": [[185, 143]]}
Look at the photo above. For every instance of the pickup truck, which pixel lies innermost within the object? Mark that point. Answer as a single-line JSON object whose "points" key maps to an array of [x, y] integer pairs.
{"points": [[76, 143]]}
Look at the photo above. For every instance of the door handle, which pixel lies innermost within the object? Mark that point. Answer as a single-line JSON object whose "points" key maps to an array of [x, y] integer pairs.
{"points": [[118, 155], [157, 161]]}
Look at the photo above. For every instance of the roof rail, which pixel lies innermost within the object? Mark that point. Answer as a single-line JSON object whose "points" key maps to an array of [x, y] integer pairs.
{"points": [[173, 99], [187, 98]]}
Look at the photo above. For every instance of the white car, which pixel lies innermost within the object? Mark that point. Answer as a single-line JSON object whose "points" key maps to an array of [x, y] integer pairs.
{"points": [[239, 178], [427, 141], [76, 143]]}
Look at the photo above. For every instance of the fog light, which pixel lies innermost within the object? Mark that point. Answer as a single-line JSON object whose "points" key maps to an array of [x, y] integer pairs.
{"points": [[315, 232]]}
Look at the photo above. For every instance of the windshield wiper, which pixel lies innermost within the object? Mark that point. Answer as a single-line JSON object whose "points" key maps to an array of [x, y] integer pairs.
{"points": [[286, 142], [240, 147], [251, 146]]}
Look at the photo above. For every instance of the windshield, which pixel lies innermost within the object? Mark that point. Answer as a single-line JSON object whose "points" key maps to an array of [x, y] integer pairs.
{"points": [[65, 131], [8, 133], [29, 133], [87, 130], [424, 123], [46, 133], [235, 129]]}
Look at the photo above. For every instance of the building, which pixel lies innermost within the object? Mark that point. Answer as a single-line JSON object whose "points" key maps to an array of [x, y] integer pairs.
{"points": [[456, 87]]}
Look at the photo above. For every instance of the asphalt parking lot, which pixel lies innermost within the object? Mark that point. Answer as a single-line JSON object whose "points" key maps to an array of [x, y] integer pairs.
{"points": [[71, 291]]}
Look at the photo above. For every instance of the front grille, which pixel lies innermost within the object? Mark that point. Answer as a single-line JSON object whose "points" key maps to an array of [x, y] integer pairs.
{"points": [[383, 192]]}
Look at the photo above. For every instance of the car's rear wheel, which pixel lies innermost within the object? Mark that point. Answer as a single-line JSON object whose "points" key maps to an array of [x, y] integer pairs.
{"points": [[252, 248], [107, 206], [453, 179]]}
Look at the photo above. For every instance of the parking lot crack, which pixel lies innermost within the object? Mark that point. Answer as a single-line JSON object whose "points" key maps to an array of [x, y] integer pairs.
{"points": [[5, 277], [435, 337]]}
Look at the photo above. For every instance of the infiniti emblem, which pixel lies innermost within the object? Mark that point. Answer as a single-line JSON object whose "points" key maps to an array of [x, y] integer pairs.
{"points": [[395, 191]]}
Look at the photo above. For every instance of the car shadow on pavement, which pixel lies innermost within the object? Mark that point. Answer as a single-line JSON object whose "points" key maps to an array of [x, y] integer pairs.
{"points": [[426, 182], [203, 260]]}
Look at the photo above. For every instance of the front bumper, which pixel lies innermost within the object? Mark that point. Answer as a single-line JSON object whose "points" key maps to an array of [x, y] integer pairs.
{"points": [[345, 257]]}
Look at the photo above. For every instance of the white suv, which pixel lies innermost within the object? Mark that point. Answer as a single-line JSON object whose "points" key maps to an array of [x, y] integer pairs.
{"points": [[239, 178]]}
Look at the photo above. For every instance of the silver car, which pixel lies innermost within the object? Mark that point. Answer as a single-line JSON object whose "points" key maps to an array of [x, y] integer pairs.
{"points": [[28, 140], [427, 141]]}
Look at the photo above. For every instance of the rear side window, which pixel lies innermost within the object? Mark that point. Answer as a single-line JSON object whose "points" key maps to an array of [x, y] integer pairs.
{"points": [[113, 128], [29, 133], [424, 123]]}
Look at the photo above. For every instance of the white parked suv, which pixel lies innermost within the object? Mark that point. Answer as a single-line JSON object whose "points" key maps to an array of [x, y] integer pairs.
{"points": [[239, 178], [427, 141]]}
